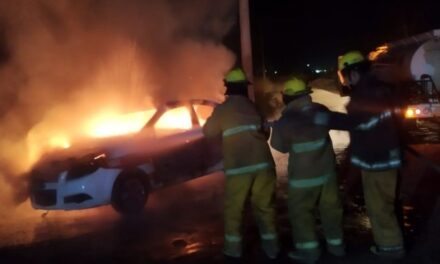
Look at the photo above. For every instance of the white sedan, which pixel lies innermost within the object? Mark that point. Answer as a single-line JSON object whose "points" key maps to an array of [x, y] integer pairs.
{"points": [[123, 170]]}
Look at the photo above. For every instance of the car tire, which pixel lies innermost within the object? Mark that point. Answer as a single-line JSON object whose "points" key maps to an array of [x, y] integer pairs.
{"points": [[130, 193]]}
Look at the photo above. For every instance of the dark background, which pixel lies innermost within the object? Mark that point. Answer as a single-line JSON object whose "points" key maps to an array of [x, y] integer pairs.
{"points": [[287, 35]]}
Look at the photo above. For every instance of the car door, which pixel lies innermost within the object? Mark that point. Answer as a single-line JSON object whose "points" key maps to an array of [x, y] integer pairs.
{"points": [[212, 154], [178, 132]]}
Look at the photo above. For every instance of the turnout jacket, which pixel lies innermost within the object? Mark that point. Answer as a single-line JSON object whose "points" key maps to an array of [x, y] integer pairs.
{"points": [[371, 122], [245, 147], [311, 156]]}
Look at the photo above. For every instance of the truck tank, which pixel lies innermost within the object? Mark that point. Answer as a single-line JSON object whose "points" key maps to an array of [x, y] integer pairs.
{"points": [[409, 59], [413, 66]]}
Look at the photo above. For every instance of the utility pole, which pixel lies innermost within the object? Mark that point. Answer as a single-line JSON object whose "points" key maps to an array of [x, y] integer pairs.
{"points": [[246, 45]]}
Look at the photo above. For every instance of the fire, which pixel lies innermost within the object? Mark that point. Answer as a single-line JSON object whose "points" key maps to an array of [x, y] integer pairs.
{"points": [[202, 121], [179, 118], [378, 52], [60, 141], [107, 124], [203, 112], [110, 124]]}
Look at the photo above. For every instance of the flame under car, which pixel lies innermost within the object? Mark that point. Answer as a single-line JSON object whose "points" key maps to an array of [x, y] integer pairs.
{"points": [[123, 170]]}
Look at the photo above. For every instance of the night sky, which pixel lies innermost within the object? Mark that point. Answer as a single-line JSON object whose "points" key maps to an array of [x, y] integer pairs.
{"points": [[290, 34]]}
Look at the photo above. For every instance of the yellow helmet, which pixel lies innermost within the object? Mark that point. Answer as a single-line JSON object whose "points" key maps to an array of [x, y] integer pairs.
{"points": [[236, 75], [350, 58], [295, 86]]}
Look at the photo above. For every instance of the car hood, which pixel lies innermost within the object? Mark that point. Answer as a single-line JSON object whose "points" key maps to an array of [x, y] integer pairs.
{"points": [[112, 150]]}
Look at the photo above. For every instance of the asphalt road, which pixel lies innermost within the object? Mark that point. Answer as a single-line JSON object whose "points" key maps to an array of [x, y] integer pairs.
{"points": [[183, 224]]}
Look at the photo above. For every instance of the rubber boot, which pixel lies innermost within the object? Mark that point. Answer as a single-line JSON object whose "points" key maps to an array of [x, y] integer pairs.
{"points": [[388, 252], [232, 249], [271, 248], [336, 250], [306, 256]]}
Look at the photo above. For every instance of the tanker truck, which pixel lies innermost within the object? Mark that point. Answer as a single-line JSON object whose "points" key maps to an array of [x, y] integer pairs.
{"points": [[413, 66]]}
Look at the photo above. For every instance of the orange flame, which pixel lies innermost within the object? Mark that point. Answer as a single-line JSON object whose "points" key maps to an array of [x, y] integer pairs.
{"points": [[107, 124], [110, 124], [179, 118], [378, 52], [60, 141]]}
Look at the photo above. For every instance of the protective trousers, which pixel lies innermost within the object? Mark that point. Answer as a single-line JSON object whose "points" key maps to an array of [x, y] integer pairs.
{"points": [[260, 186], [379, 194], [302, 201]]}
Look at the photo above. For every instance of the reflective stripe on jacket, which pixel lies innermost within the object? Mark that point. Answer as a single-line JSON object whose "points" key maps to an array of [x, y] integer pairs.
{"points": [[374, 139], [392, 162], [311, 156], [245, 148]]}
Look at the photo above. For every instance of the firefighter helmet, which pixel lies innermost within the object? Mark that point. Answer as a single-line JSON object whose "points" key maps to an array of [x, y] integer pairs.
{"points": [[236, 75], [349, 59], [353, 60], [295, 86]]}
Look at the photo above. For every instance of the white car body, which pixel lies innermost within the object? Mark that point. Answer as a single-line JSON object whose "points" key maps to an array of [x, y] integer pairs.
{"points": [[64, 182], [102, 178]]}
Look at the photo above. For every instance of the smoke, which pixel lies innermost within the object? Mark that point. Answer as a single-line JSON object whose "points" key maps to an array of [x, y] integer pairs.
{"points": [[64, 61]]}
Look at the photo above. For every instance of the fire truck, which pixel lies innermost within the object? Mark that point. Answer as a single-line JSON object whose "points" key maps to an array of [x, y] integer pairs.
{"points": [[413, 66]]}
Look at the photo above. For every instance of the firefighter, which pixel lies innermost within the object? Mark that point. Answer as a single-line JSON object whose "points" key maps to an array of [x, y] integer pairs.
{"points": [[374, 147], [248, 166], [312, 177]]}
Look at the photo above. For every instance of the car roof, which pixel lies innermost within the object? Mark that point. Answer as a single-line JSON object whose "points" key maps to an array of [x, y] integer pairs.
{"points": [[174, 104], [177, 103]]}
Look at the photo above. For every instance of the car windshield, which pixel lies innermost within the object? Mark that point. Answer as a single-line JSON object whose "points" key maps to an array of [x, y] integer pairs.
{"points": [[110, 124], [173, 120], [165, 120], [176, 118]]}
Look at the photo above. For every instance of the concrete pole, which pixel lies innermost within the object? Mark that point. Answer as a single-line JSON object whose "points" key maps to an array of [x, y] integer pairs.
{"points": [[246, 45]]}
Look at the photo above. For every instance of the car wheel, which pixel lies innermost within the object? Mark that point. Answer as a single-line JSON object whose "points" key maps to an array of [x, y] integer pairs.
{"points": [[130, 193]]}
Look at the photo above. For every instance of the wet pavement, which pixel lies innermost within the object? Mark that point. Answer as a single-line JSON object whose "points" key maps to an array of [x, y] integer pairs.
{"points": [[183, 224], [425, 130]]}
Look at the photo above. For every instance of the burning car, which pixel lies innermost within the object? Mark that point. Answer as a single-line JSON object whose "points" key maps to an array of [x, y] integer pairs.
{"points": [[123, 169]]}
